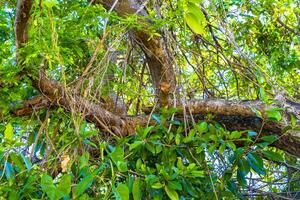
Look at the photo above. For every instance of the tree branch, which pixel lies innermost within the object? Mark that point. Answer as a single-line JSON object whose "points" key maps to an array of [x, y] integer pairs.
{"points": [[160, 65], [21, 21]]}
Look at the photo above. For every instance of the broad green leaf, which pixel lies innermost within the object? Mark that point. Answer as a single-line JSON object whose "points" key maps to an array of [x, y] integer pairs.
{"points": [[256, 163], [172, 194], [174, 185], [122, 192], [241, 178], [270, 138], [274, 113], [243, 167], [9, 171], [293, 120], [64, 186], [136, 189], [196, 173], [84, 184], [135, 145], [194, 9], [235, 135], [122, 166], [202, 127], [146, 131], [273, 156], [252, 133], [17, 160], [194, 23], [227, 175], [157, 185], [150, 148], [48, 186], [212, 148], [9, 132], [231, 145], [84, 160], [222, 148], [262, 95], [156, 118], [117, 154]]}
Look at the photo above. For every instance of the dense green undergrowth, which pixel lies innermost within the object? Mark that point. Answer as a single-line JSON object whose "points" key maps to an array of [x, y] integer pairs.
{"points": [[165, 160]]}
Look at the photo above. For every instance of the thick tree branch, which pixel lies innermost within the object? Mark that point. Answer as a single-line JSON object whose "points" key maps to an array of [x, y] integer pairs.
{"points": [[160, 65], [32, 105], [21, 21]]}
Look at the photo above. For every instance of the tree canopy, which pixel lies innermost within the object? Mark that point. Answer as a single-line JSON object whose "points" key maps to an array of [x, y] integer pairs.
{"points": [[150, 99]]}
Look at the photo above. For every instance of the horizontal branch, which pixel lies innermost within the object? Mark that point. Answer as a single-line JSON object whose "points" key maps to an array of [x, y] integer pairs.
{"points": [[233, 115], [32, 105]]}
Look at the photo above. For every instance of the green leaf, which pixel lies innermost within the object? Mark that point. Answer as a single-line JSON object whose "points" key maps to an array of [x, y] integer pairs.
{"points": [[156, 118], [177, 139], [252, 133], [195, 1], [212, 148], [231, 145], [122, 166], [256, 163], [274, 114], [194, 9], [136, 189], [293, 120], [194, 23], [146, 131], [174, 185], [117, 154], [122, 192], [64, 186], [135, 145], [273, 156], [9, 132], [243, 167], [17, 160], [9, 171], [150, 148], [222, 148], [157, 185], [241, 179], [235, 135], [202, 128], [84, 184], [262, 95], [50, 3], [196, 173], [48, 186], [172, 194], [270, 138], [27, 162]]}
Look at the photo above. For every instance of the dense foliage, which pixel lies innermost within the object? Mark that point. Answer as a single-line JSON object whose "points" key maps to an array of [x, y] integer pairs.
{"points": [[230, 49]]}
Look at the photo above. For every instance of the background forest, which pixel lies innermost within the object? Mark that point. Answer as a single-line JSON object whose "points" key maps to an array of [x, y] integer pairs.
{"points": [[150, 99]]}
